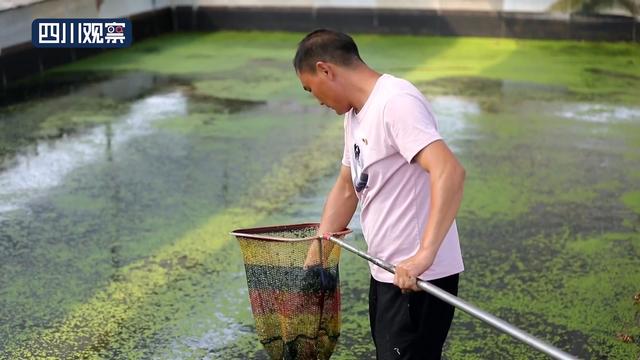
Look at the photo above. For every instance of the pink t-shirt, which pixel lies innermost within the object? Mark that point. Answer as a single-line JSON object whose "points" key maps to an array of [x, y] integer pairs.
{"points": [[394, 124]]}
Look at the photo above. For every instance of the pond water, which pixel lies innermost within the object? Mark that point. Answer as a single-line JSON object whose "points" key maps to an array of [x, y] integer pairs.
{"points": [[121, 176]]}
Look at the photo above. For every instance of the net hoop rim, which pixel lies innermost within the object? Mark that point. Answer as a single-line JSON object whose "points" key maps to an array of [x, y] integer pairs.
{"points": [[257, 233]]}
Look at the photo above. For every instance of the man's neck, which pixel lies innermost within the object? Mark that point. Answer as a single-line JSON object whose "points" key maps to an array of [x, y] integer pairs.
{"points": [[362, 81]]}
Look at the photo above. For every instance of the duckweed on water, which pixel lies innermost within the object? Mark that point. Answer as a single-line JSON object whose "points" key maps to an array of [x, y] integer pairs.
{"points": [[632, 200], [123, 303]]}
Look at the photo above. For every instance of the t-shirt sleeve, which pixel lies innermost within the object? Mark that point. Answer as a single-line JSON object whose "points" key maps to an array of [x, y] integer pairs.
{"points": [[346, 155], [410, 124]]}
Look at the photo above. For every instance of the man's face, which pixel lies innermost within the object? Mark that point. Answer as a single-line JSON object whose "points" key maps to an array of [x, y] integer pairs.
{"points": [[324, 88]]}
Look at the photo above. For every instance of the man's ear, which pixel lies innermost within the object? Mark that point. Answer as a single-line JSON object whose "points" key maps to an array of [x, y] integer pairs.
{"points": [[323, 68]]}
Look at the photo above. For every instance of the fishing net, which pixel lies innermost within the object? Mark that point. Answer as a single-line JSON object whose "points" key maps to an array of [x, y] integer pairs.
{"points": [[296, 308]]}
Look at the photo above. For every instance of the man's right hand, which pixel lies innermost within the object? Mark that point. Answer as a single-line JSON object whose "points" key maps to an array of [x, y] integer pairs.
{"points": [[338, 210]]}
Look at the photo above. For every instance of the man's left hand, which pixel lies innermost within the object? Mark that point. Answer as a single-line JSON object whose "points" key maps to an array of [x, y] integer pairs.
{"points": [[407, 271]]}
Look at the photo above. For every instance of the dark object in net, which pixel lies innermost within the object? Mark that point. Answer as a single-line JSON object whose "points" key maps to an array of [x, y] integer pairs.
{"points": [[318, 278]]}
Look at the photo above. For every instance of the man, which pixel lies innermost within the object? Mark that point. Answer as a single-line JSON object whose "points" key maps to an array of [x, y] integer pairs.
{"points": [[409, 185]]}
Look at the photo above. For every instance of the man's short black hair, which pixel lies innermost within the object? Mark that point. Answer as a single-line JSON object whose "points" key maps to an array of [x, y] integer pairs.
{"points": [[325, 45]]}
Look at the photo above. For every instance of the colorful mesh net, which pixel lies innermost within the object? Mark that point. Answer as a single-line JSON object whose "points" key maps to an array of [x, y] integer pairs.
{"points": [[296, 309]]}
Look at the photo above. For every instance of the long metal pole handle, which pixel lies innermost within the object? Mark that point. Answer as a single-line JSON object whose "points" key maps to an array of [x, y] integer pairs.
{"points": [[492, 320]]}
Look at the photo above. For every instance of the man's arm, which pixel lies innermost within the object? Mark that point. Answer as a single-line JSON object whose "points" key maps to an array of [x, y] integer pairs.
{"points": [[338, 210], [447, 179]]}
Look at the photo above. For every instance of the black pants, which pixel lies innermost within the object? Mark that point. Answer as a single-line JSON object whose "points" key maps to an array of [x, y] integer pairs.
{"points": [[412, 325]]}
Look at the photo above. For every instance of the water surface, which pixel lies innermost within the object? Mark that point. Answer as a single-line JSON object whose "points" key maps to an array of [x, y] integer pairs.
{"points": [[122, 174]]}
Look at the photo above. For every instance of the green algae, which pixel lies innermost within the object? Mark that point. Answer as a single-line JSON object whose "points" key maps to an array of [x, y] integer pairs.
{"points": [[572, 63], [194, 52], [85, 113], [632, 200], [595, 70], [143, 247], [527, 60], [265, 82], [564, 285], [490, 196], [243, 126], [122, 302]]}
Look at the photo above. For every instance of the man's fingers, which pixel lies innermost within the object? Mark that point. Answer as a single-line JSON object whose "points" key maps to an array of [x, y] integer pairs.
{"points": [[411, 284], [405, 282], [408, 287], [415, 285]]}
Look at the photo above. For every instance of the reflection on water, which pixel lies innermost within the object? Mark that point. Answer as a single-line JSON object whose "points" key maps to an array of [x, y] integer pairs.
{"points": [[451, 112], [600, 113], [117, 86], [45, 164]]}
